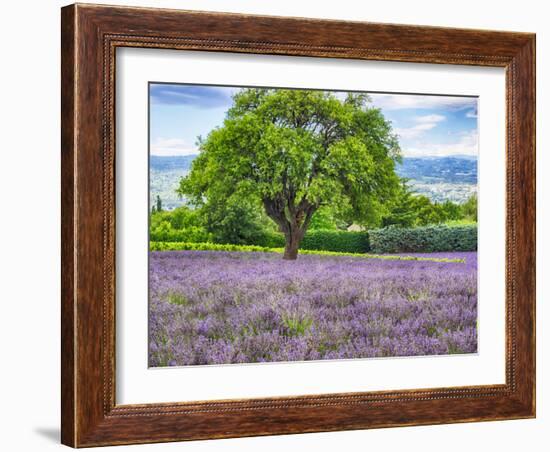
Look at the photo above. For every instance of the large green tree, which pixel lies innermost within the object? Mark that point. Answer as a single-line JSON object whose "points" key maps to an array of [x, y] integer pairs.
{"points": [[294, 151]]}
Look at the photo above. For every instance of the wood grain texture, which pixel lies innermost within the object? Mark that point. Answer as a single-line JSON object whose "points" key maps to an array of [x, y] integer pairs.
{"points": [[67, 226], [90, 36]]}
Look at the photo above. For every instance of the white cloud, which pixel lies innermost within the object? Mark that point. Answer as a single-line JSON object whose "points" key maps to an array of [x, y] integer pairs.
{"points": [[402, 101], [415, 131], [425, 123], [466, 145], [471, 114], [430, 118], [171, 147]]}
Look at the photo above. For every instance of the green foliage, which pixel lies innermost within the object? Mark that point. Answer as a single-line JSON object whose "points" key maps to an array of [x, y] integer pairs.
{"points": [[179, 225], [270, 239], [451, 211], [296, 325], [206, 246], [232, 220], [186, 246], [324, 218], [177, 298], [341, 241], [409, 209], [158, 204], [469, 208], [402, 210], [427, 212], [294, 151], [424, 239], [328, 240], [461, 222], [455, 235], [191, 234], [180, 218]]}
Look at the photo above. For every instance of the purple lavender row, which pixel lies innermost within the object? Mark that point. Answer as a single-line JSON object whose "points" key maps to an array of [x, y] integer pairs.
{"points": [[211, 307]]}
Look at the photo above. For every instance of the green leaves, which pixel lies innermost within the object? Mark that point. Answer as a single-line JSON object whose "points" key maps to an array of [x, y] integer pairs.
{"points": [[297, 150], [425, 239], [409, 209]]}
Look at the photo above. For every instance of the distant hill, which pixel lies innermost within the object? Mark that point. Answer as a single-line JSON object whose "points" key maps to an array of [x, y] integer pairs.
{"points": [[458, 170], [439, 178], [176, 162], [164, 176]]}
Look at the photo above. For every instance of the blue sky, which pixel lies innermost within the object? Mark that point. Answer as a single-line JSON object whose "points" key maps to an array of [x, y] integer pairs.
{"points": [[426, 125]]}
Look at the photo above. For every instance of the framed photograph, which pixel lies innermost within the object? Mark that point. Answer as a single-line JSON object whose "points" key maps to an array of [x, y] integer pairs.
{"points": [[281, 225]]}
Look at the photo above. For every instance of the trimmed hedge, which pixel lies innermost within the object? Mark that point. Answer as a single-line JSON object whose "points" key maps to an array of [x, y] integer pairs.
{"points": [[426, 239], [324, 240], [270, 240], [207, 246], [193, 234], [182, 246], [340, 241]]}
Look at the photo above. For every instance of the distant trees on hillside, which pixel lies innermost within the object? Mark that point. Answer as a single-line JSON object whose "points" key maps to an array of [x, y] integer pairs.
{"points": [[410, 209]]}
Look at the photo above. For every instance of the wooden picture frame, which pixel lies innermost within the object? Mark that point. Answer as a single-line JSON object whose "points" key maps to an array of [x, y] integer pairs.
{"points": [[90, 36]]}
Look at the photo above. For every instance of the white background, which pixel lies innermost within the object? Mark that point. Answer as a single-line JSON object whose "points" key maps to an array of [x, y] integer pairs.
{"points": [[30, 226], [137, 384]]}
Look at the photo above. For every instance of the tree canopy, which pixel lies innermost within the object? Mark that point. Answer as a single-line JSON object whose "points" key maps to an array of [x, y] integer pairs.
{"points": [[295, 151]]}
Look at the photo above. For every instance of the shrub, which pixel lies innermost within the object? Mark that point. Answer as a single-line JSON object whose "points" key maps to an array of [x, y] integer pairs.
{"points": [[206, 246], [462, 222], [321, 239], [270, 240], [232, 220], [341, 241], [186, 246], [180, 218], [424, 239], [190, 234]]}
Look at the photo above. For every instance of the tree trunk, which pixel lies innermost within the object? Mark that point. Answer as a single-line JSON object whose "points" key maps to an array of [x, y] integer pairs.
{"points": [[292, 244], [292, 220]]}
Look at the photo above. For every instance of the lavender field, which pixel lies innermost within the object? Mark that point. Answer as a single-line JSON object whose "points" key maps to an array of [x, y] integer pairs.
{"points": [[210, 307]]}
